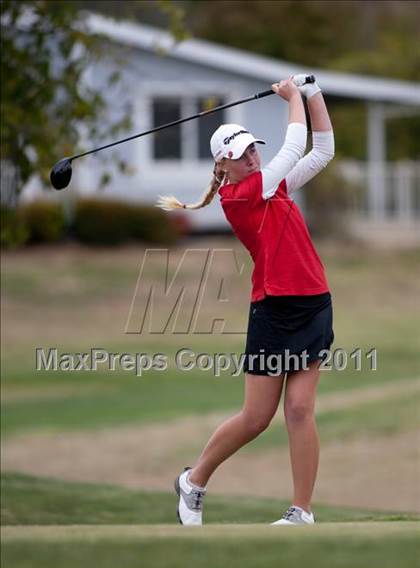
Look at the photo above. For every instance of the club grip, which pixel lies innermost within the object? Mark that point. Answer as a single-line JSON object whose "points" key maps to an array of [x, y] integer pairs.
{"points": [[303, 80], [310, 79], [264, 94]]}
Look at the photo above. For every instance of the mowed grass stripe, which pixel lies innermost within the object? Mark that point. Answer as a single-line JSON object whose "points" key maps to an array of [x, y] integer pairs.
{"points": [[387, 415], [368, 530], [29, 500], [255, 546]]}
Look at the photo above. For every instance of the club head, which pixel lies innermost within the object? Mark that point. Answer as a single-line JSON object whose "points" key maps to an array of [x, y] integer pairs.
{"points": [[60, 175]]}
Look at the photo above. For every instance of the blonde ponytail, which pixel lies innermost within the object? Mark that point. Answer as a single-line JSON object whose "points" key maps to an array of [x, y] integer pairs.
{"points": [[170, 202]]}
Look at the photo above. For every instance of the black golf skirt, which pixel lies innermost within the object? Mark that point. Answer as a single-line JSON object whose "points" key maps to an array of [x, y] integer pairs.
{"points": [[286, 333]]}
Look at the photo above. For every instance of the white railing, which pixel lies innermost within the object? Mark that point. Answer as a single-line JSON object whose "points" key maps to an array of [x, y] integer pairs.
{"points": [[390, 191]]}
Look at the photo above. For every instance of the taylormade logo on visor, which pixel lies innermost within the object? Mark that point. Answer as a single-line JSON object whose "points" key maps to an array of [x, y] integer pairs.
{"points": [[231, 141], [234, 135]]}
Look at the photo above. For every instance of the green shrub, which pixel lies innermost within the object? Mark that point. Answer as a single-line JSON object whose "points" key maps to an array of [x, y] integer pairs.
{"points": [[100, 222], [150, 224], [13, 231], [111, 222], [95, 221], [44, 220]]}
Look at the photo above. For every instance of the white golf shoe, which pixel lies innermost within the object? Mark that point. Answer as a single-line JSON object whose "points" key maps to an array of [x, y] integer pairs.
{"points": [[296, 516], [190, 505]]}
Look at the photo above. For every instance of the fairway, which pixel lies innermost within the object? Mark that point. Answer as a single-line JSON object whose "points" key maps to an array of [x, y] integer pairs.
{"points": [[89, 458], [91, 533], [342, 544]]}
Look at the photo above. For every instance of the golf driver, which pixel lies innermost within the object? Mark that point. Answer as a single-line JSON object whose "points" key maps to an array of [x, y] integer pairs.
{"points": [[60, 175]]}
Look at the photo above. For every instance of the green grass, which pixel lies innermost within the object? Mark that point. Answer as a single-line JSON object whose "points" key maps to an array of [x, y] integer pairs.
{"points": [[397, 351], [364, 545], [58, 296], [76, 298], [81, 275], [120, 400], [28, 500]]}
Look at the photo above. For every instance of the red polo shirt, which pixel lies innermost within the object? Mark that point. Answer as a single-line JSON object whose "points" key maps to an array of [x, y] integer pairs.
{"points": [[275, 233]]}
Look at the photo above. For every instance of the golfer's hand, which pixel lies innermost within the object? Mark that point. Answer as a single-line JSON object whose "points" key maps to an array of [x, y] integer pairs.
{"points": [[308, 90], [285, 89]]}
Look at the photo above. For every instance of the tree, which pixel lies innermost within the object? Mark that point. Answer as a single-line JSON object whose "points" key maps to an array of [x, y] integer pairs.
{"points": [[45, 51], [378, 37], [375, 37], [167, 14]]}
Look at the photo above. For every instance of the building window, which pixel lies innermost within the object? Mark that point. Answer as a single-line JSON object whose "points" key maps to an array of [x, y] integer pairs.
{"points": [[168, 143], [208, 124]]}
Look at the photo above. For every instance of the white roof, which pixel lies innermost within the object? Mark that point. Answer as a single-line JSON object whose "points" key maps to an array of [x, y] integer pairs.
{"points": [[249, 64]]}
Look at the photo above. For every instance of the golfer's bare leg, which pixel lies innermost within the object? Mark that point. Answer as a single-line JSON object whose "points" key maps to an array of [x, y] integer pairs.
{"points": [[299, 411], [262, 396]]}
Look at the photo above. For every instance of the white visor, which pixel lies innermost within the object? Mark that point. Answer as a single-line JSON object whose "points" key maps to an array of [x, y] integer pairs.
{"points": [[238, 147], [230, 141]]}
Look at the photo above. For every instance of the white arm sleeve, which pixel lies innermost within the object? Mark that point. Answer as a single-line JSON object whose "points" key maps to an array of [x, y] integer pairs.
{"points": [[285, 160], [310, 165]]}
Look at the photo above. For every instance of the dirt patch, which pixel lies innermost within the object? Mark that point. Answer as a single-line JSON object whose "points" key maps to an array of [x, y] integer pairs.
{"points": [[355, 397], [380, 472], [93, 289]]}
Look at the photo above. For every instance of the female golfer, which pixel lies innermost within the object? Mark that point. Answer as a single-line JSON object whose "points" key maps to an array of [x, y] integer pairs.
{"points": [[290, 320]]}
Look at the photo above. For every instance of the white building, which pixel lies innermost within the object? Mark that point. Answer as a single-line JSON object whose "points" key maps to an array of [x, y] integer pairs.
{"points": [[165, 80]]}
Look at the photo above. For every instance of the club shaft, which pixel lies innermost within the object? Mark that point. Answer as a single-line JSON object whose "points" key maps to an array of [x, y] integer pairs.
{"points": [[308, 79], [175, 122]]}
